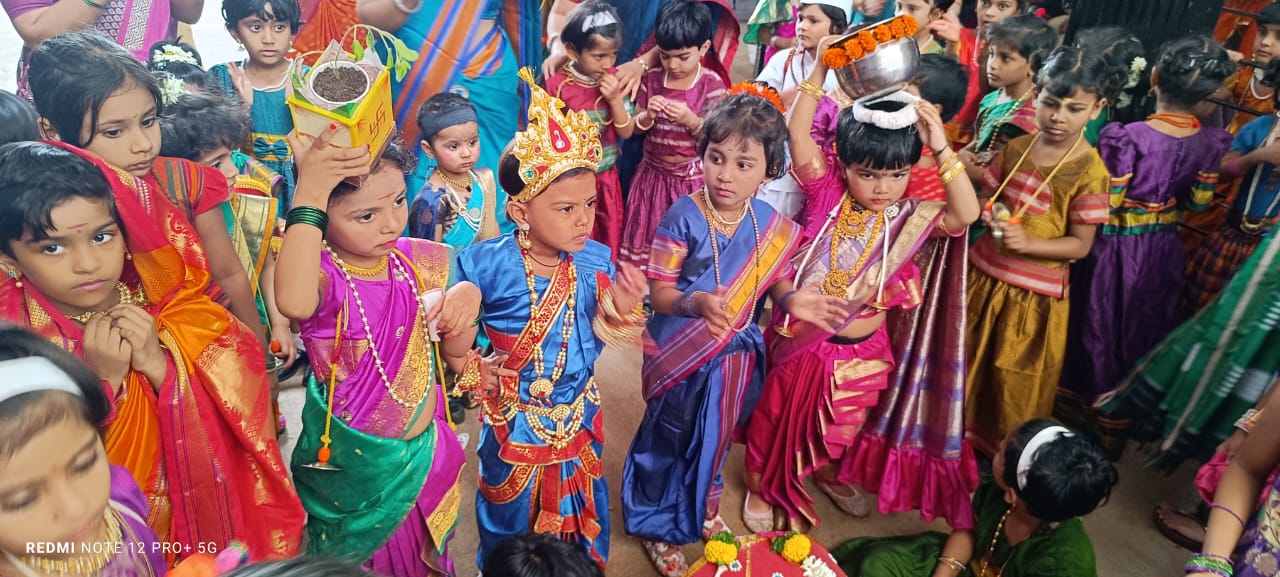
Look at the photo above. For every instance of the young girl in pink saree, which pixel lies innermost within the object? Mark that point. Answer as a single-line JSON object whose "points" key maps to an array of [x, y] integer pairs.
{"points": [[822, 383]]}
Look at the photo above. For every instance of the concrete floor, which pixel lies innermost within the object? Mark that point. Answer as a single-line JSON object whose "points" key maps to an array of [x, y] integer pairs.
{"points": [[1126, 542]]}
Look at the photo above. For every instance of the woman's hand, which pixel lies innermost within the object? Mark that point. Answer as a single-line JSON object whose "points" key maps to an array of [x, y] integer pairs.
{"points": [[826, 312], [105, 351], [630, 75], [947, 28], [932, 133], [457, 311], [556, 59], [240, 81], [139, 329], [321, 165], [628, 288]]}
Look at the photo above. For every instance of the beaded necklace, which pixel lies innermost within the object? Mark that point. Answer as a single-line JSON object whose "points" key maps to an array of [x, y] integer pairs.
{"points": [[542, 387], [713, 215], [991, 549], [985, 151], [416, 395], [991, 203], [452, 188]]}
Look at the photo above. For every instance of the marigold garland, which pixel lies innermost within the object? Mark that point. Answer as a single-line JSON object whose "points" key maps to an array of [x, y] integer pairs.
{"points": [[764, 91], [868, 40]]}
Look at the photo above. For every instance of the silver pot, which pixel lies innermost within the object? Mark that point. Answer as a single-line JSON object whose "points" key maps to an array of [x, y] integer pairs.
{"points": [[889, 69]]}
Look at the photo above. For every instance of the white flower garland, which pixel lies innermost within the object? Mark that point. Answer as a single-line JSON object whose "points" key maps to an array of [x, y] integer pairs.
{"points": [[173, 53], [905, 117], [1136, 68], [815, 567], [171, 89]]}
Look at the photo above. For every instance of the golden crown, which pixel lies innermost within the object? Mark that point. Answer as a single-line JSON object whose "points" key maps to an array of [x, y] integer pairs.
{"points": [[555, 141]]}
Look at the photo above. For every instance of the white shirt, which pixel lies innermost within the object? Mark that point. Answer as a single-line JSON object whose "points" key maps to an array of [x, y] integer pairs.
{"points": [[782, 75]]}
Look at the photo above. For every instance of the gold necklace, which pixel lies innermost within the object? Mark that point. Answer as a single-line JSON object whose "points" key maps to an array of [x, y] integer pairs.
{"points": [[851, 223], [354, 270], [721, 222], [1017, 104], [453, 187], [991, 549], [542, 387], [451, 182], [127, 297], [755, 251], [89, 563]]}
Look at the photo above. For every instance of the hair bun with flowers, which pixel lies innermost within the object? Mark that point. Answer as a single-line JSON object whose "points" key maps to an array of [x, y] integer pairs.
{"points": [[173, 53], [761, 90], [864, 42]]}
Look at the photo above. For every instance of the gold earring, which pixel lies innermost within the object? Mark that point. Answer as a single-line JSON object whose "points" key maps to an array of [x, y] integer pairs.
{"points": [[17, 278], [522, 238], [128, 255]]}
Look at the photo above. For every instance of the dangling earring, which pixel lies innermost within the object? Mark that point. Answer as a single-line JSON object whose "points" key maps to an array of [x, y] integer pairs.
{"points": [[128, 255], [522, 237], [17, 279]]}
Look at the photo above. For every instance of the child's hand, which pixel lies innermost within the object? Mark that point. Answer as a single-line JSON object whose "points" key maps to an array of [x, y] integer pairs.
{"points": [[105, 351], [827, 312], [657, 105], [458, 310], [282, 334], [930, 127], [139, 329], [1015, 237], [824, 44], [321, 165], [628, 288], [240, 81], [679, 112], [494, 369], [611, 88], [1235, 57], [947, 28], [715, 310]]}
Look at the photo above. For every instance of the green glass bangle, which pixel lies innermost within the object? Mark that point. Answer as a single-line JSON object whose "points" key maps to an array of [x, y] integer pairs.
{"points": [[93, 4], [309, 215]]}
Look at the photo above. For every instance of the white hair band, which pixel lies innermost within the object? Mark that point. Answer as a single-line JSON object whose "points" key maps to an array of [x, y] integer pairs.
{"points": [[597, 20], [904, 117], [32, 374], [1038, 441]]}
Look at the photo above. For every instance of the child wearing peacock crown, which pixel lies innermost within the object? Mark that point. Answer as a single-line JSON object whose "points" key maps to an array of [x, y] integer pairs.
{"points": [[551, 301]]}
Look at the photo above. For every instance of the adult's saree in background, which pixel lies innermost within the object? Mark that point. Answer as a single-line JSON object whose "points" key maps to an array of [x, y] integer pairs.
{"points": [[202, 443]]}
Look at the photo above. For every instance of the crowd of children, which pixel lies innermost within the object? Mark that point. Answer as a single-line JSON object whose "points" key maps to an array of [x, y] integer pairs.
{"points": [[875, 291]]}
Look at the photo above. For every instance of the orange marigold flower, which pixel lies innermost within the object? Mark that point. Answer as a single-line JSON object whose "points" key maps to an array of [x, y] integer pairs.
{"points": [[836, 57], [910, 25], [854, 50], [882, 34], [896, 28], [867, 41]]}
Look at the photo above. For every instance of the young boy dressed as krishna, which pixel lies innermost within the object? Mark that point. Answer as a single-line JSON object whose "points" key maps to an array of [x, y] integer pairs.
{"points": [[551, 301]]}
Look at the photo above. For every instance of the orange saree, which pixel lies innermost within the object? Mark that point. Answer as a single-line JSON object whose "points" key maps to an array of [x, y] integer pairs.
{"points": [[201, 444]]}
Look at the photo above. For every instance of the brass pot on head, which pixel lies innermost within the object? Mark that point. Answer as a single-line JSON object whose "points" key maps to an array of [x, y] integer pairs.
{"points": [[888, 69]]}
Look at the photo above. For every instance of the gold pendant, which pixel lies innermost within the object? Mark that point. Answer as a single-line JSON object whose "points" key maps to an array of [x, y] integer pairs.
{"points": [[541, 388], [836, 283]]}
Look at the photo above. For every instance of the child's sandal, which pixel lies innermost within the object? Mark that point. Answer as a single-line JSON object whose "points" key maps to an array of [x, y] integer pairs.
{"points": [[668, 559]]}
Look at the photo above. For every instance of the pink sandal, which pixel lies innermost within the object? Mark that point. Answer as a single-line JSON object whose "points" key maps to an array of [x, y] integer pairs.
{"points": [[855, 504], [668, 559]]}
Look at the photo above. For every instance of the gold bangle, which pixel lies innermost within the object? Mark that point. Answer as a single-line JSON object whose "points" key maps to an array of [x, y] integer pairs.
{"points": [[951, 562], [951, 175], [946, 167], [643, 127], [630, 119], [808, 87]]}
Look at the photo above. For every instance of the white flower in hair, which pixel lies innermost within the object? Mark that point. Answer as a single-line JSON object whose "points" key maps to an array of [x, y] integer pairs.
{"points": [[171, 89], [172, 53], [1136, 68], [904, 117]]}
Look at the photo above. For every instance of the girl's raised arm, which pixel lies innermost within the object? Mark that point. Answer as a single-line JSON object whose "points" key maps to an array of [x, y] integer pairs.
{"points": [[321, 166]]}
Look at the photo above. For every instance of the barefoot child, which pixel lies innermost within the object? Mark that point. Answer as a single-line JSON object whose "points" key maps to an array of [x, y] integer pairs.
{"points": [[823, 380], [57, 483], [717, 255], [372, 307], [587, 82], [1045, 197], [670, 101], [124, 288], [550, 306]]}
